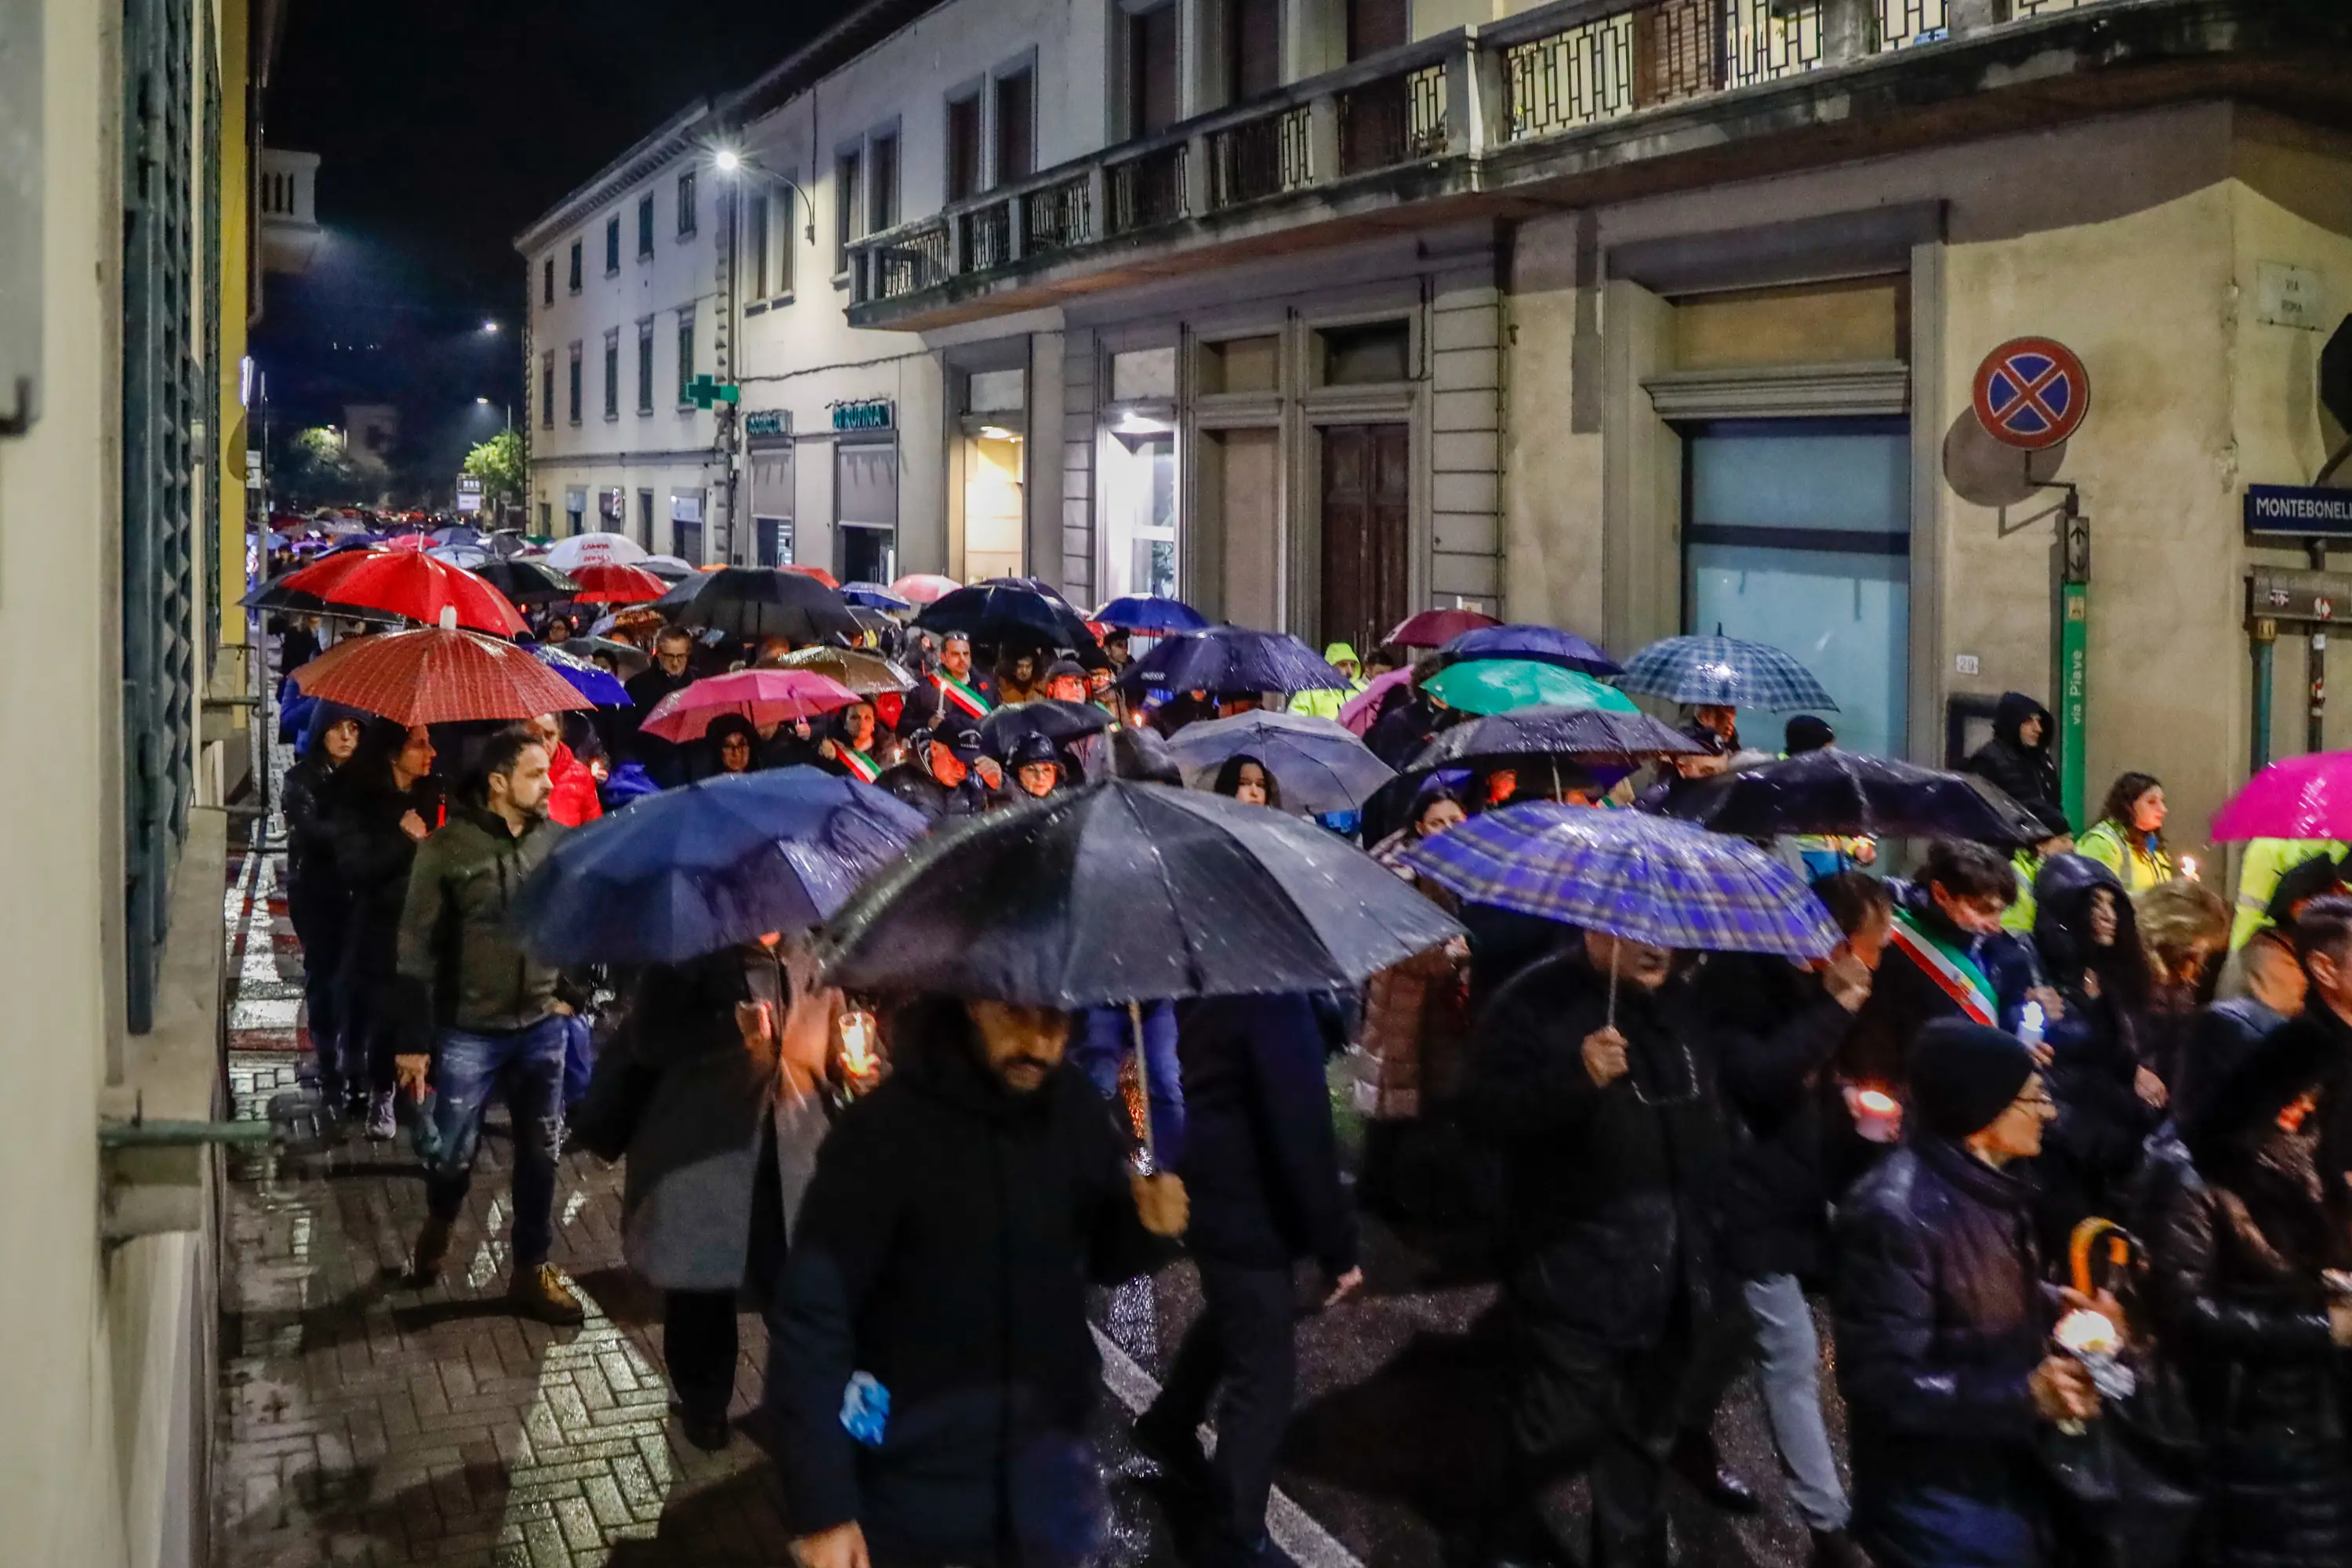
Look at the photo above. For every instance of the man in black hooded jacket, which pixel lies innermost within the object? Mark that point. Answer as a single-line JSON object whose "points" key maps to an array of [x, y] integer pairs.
{"points": [[940, 1261], [1613, 1140], [2018, 756]]}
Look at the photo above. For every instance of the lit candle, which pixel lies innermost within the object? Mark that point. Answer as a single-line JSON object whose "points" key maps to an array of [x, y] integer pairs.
{"points": [[858, 1044], [1877, 1115], [2087, 1332], [2028, 1023]]}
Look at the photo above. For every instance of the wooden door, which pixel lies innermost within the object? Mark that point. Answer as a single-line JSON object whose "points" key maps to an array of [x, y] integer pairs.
{"points": [[1367, 532]]}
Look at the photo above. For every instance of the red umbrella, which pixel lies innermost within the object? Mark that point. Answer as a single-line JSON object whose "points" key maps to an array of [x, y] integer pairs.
{"points": [[1435, 629], [762, 696], [819, 573], [435, 675], [609, 583], [924, 587], [406, 582]]}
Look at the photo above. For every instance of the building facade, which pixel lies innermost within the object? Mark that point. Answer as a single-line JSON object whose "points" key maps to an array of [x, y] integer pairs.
{"points": [[131, 272], [1635, 316], [624, 317]]}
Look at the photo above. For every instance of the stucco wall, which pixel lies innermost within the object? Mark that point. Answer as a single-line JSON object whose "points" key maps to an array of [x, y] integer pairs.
{"points": [[1550, 467]]}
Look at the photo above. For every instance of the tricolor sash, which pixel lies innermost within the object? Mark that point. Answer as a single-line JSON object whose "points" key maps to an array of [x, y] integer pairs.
{"points": [[1953, 971], [963, 696], [861, 767]]}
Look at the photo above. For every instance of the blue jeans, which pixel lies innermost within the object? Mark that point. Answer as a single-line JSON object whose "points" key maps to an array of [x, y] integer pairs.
{"points": [[527, 1069], [1790, 1372]]}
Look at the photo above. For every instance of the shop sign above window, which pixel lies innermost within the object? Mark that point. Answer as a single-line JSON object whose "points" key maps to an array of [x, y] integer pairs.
{"points": [[865, 414]]}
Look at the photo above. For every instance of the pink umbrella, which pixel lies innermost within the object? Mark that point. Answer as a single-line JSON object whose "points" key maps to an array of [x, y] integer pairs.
{"points": [[1358, 710], [762, 696], [2298, 797], [923, 587]]}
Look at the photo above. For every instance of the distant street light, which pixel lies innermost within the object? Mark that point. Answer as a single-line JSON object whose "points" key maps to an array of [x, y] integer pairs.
{"points": [[727, 161], [489, 326]]}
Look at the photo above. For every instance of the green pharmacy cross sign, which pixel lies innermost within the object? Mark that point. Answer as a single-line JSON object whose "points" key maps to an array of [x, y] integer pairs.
{"points": [[703, 393]]}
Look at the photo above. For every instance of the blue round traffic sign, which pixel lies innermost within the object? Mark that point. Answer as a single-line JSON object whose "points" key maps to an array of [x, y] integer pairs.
{"points": [[2031, 392]]}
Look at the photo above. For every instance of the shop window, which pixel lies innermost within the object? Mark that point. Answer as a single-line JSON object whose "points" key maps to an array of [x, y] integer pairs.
{"points": [[1242, 364], [866, 510], [1139, 519], [1797, 533], [1017, 125], [774, 535], [1376, 352], [686, 526]]}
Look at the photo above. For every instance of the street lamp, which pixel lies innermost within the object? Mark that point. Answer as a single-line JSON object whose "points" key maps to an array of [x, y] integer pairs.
{"points": [[490, 327], [727, 161], [507, 407]]}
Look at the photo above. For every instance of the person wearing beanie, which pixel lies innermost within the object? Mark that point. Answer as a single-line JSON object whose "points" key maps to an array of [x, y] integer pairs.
{"points": [[1943, 1325], [1806, 732]]}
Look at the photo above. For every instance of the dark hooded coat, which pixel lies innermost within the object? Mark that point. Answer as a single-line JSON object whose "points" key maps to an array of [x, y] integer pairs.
{"points": [[2238, 1232], [2028, 773]]}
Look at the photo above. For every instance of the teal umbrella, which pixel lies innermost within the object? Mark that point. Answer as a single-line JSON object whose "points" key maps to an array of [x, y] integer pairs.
{"points": [[1503, 685]]}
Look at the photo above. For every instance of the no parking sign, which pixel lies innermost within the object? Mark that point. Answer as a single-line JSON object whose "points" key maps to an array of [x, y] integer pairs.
{"points": [[2031, 392]]}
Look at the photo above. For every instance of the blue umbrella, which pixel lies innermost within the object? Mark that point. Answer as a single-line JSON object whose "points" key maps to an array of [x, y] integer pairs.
{"points": [[1545, 644], [1151, 614], [1729, 672], [589, 678], [460, 533], [1643, 877], [875, 596], [690, 871], [273, 541], [1232, 660], [1318, 764]]}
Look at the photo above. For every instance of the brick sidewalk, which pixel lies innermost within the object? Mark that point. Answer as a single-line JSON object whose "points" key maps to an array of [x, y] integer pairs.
{"points": [[364, 1421]]}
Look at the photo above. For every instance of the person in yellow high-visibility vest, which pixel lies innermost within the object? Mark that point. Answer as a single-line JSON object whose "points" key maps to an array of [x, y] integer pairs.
{"points": [[2266, 860], [2028, 863], [1340, 656], [2129, 837]]}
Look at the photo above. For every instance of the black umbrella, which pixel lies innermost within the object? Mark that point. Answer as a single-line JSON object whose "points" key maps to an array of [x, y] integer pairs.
{"points": [[1060, 722], [1123, 892], [1836, 792], [526, 581], [1007, 610], [754, 602], [1226, 661], [274, 597], [632, 658], [1510, 738]]}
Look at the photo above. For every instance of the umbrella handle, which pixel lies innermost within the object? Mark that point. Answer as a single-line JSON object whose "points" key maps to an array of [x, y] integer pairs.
{"points": [[1613, 989], [1143, 1083]]}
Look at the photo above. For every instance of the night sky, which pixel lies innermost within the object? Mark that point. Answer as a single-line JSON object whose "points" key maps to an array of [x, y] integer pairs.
{"points": [[444, 126]]}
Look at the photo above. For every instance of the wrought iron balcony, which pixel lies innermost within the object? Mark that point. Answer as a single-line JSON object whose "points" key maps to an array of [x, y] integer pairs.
{"points": [[1476, 121]]}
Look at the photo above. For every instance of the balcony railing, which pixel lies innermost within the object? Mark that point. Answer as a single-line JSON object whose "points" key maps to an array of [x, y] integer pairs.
{"points": [[1444, 101]]}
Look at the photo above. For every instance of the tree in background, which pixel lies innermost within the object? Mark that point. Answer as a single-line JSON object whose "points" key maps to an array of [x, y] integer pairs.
{"points": [[317, 467], [497, 463]]}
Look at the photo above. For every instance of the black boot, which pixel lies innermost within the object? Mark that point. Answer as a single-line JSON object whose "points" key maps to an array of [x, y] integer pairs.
{"points": [[1697, 1461]]}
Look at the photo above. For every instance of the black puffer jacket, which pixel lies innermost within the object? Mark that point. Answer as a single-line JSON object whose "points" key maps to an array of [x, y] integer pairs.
{"points": [[1612, 1191], [2094, 1043], [944, 1248], [2238, 1234], [1775, 1028], [1941, 1319], [372, 857], [2029, 773]]}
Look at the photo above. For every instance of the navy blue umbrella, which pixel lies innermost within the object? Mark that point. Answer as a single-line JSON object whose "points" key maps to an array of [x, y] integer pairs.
{"points": [[690, 871], [1230, 662], [1832, 791], [875, 596], [1545, 644], [586, 677], [1151, 614]]}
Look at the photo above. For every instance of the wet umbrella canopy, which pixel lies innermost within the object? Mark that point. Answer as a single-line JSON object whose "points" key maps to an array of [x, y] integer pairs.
{"points": [[526, 581], [586, 677], [1318, 764], [1232, 660], [752, 602], [1545, 644], [1501, 685], [1831, 791], [1060, 722], [1645, 879], [1126, 891], [1724, 671], [691, 870], [864, 672], [1006, 611], [1541, 731]]}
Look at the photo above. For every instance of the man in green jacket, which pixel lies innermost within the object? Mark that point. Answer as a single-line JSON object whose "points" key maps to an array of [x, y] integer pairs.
{"points": [[497, 1020]]}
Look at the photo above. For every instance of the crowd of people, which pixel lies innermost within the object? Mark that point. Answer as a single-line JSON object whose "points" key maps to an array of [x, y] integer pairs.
{"points": [[1678, 1154]]}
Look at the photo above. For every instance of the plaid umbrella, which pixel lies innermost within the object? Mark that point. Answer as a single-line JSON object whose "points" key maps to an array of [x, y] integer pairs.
{"points": [[1730, 672], [762, 696], [1643, 877], [436, 675]]}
